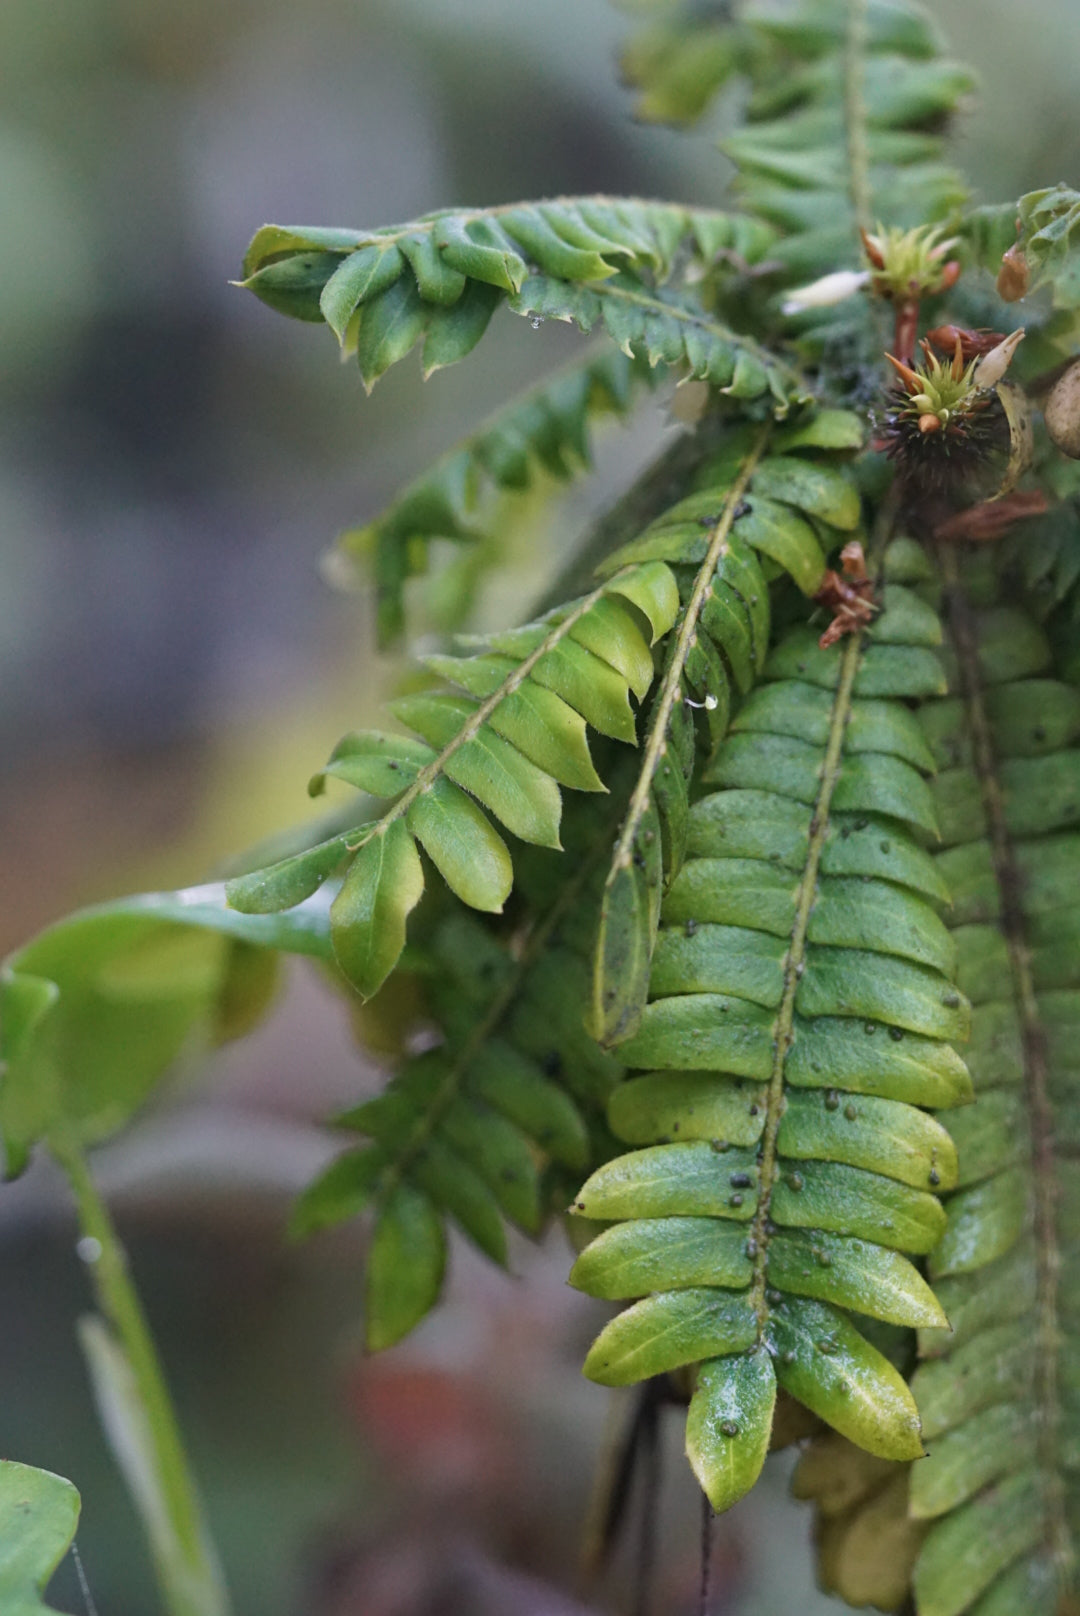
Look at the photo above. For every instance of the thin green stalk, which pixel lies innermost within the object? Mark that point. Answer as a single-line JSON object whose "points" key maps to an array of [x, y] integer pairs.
{"points": [[137, 1410]]}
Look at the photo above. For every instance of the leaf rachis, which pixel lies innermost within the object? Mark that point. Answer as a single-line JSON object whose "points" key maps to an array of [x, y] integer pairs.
{"points": [[670, 689]]}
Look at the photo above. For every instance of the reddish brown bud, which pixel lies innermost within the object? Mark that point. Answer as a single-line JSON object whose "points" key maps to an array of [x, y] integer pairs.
{"points": [[1014, 275], [929, 424], [973, 344], [872, 249], [950, 274]]}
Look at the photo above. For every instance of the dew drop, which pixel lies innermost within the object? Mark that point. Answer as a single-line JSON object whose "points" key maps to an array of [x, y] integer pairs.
{"points": [[850, 1112], [741, 1181], [735, 1200], [795, 1182], [886, 847], [896, 1034], [89, 1248], [787, 1357], [869, 1028], [935, 1177], [729, 1428], [832, 1100]]}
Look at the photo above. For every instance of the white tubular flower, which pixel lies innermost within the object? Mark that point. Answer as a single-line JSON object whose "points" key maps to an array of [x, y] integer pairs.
{"points": [[830, 289]]}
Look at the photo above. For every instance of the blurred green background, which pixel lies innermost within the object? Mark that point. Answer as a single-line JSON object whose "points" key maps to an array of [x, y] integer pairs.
{"points": [[174, 460]]}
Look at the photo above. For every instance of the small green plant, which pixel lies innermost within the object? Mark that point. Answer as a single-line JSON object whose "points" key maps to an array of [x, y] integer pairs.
{"points": [[734, 876]]}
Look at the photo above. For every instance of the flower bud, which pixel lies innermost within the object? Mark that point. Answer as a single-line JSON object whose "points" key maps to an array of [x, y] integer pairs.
{"points": [[1013, 276], [992, 366]]}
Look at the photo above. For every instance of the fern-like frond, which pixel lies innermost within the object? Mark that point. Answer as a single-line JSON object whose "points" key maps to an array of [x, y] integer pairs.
{"points": [[511, 734], [802, 1003], [996, 1393], [590, 260], [487, 1127], [847, 139], [547, 430], [754, 513]]}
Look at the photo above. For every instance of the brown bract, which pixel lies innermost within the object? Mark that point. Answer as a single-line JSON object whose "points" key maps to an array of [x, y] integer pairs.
{"points": [[993, 518], [847, 594]]}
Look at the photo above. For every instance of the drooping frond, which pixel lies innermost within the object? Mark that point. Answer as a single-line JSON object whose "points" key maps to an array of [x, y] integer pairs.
{"points": [[596, 261], [802, 1003], [547, 430], [997, 1392], [755, 513]]}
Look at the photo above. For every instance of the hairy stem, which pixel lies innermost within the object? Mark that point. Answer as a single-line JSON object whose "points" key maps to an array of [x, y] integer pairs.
{"points": [[795, 961], [794, 965], [1035, 1062], [144, 1430]]}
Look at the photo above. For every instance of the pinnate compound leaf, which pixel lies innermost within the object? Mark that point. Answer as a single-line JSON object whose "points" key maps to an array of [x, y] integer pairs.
{"points": [[729, 1425], [367, 918], [38, 1516]]}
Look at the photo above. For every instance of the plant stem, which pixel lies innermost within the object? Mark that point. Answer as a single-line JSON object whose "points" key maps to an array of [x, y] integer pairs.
{"points": [[139, 1415]]}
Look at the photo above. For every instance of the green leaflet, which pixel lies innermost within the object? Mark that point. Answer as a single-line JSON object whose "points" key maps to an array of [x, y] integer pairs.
{"points": [[367, 918], [729, 1423], [997, 1394], [668, 1330], [404, 1267], [38, 1516], [836, 991], [505, 743]]}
